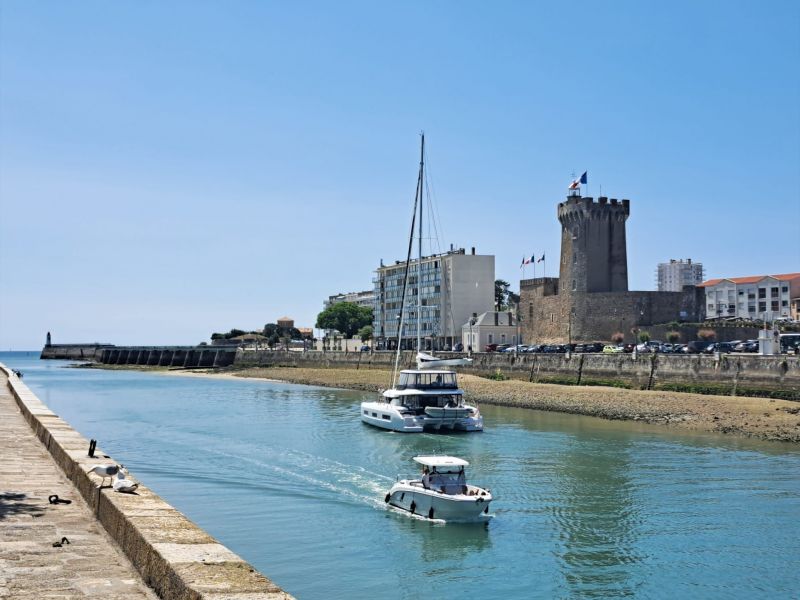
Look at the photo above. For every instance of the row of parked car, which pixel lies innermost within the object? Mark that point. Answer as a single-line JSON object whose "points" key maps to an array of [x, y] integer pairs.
{"points": [[694, 347]]}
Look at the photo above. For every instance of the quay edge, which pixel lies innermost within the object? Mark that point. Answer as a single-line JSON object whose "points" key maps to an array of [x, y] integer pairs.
{"points": [[176, 558]]}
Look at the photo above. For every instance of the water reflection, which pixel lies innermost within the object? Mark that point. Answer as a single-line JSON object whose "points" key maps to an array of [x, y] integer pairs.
{"points": [[598, 518]]}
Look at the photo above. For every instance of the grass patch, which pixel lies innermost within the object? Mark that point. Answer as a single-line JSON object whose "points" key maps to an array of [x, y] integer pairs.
{"points": [[727, 390]]}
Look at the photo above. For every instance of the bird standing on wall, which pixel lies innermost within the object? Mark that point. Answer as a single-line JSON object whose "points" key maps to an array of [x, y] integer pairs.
{"points": [[105, 471], [123, 484]]}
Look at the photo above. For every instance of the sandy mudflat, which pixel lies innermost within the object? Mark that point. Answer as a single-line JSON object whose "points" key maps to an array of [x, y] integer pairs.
{"points": [[761, 418]]}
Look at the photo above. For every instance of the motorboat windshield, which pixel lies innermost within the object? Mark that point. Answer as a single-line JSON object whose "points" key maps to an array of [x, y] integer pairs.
{"points": [[423, 380]]}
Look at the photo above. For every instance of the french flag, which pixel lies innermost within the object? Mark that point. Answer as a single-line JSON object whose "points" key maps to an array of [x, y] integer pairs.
{"points": [[583, 179]]}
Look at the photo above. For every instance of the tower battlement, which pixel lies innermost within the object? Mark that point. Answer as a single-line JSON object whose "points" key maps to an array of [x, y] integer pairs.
{"points": [[577, 207]]}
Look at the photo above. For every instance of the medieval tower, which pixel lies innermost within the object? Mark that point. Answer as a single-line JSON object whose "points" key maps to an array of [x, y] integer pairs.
{"points": [[593, 248]]}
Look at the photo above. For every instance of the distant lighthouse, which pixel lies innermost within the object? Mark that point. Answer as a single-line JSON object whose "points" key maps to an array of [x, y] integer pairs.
{"points": [[48, 340]]}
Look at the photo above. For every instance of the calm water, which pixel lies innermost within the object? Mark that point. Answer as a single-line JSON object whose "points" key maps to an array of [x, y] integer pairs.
{"points": [[289, 478]]}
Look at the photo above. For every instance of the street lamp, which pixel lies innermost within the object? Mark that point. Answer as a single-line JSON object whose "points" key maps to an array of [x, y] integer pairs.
{"points": [[471, 341]]}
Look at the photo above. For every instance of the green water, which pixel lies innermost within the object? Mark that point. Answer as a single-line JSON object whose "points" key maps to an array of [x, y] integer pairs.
{"points": [[289, 478]]}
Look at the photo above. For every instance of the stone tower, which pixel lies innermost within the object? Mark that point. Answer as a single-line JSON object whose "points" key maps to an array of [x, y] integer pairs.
{"points": [[593, 248]]}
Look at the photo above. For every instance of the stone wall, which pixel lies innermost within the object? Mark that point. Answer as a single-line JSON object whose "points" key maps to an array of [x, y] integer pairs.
{"points": [[732, 373]]}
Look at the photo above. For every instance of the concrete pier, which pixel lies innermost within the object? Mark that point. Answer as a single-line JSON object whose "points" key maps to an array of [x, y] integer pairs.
{"points": [[91, 565], [112, 535]]}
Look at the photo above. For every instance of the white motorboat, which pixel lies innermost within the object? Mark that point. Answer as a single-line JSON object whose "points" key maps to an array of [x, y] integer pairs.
{"points": [[423, 399], [427, 397], [442, 493]]}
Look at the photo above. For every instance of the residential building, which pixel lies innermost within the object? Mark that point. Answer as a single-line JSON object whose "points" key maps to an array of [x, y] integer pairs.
{"points": [[675, 274], [489, 328], [765, 297], [365, 298], [444, 290]]}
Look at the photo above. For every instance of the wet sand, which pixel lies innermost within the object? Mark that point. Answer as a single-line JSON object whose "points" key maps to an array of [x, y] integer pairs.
{"points": [[762, 418]]}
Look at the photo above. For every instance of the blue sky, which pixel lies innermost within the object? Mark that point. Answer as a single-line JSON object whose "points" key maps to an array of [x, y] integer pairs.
{"points": [[172, 169]]}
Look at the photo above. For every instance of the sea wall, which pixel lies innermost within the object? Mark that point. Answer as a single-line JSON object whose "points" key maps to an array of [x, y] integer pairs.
{"points": [[174, 556], [73, 351], [742, 374]]}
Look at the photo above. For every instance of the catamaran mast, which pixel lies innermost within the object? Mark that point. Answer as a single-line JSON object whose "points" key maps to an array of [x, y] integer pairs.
{"points": [[419, 252]]}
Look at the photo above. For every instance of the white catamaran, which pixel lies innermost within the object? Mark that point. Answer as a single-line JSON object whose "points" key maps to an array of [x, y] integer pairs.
{"points": [[427, 397]]}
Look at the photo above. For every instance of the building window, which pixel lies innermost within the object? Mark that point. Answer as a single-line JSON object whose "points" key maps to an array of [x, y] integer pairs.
{"points": [[785, 289], [775, 304], [490, 338], [784, 303], [762, 293], [762, 306], [775, 291], [574, 285], [502, 338]]}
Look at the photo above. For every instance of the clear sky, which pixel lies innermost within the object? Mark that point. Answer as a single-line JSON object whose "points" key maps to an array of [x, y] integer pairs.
{"points": [[170, 169]]}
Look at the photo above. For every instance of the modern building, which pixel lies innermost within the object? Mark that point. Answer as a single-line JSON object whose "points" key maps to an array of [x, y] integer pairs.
{"points": [[365, 298], [489, 328], [444, 290], [590, 300], [765, 297], [674, 275]]}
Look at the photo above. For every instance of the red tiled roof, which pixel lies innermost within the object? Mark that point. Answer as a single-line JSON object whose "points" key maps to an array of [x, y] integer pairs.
{"points": [[750, 279]]}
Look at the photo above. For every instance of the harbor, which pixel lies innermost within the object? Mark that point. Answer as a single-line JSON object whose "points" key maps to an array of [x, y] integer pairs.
{"points": [[288, 478]]}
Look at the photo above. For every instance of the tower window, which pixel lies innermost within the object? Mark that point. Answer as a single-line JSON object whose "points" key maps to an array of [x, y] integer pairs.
{"points": [[574, 259], [574, 285]]}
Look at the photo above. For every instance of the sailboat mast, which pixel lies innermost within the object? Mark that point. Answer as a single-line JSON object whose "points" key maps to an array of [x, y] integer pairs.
{"points": [[419, 252]]}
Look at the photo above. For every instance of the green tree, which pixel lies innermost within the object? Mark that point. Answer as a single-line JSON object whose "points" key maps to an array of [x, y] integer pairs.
{"points": [[644, 337], [365, 333], [503, 297], [673, 336], [345, 317]]}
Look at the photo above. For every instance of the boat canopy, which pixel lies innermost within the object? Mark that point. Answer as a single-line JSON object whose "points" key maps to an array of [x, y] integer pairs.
{"points": [[426, 361], [441, 461]]}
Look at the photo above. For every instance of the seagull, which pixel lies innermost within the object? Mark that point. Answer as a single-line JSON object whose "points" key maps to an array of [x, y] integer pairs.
{"points": [[105, 471], [123, 484]]}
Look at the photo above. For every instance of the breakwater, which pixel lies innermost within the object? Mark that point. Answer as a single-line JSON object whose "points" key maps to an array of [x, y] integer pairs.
{"points": [[185, 357], [173, 555], [735, 374]]}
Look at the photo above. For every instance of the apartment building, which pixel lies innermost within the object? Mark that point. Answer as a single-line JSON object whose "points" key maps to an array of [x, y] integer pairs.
{"points": [[765, 297], [365, 298], [444, 290], [674, 275]]}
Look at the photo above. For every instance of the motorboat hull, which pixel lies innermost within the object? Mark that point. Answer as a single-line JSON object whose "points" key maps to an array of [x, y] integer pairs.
{"points": [[412, 497]]}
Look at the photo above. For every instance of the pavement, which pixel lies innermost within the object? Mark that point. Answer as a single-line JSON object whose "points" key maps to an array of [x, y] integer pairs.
{"points": [[91, 565]]}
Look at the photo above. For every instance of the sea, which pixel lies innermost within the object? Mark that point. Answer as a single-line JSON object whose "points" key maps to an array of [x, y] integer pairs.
{"points": [[289, 478]]}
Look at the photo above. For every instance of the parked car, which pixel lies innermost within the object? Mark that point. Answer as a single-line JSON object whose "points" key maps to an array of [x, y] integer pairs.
{"points": [[594, 347], [580, 348], [751, 346], [490, 348], [723, 347], [628, 348], [666, 348], [365, 348], [609, 349], [534, 348], [696, 347]]}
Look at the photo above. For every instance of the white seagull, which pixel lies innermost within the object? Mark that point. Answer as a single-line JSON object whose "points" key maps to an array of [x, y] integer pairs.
{"points": [[105, 471], [123, 484]]}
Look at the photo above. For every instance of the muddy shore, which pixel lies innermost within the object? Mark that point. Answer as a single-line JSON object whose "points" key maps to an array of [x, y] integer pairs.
{"points": [[762, 418]]}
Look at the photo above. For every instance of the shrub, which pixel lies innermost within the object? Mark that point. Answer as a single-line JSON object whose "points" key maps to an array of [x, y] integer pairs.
{"points": [[673, 336], [497, 376], [618, 337], [644, 336], [707, 334]]}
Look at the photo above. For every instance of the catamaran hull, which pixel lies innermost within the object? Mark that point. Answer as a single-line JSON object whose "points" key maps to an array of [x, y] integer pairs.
{"points": [[386, 416], [431, 505]]}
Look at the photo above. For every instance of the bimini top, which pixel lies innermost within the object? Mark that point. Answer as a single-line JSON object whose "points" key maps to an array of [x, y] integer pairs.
{"points": [[441, 461]]}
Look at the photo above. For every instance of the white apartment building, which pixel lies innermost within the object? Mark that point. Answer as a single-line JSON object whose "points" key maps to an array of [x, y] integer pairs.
{"points": [[365, 298], [444, 290], [675, 274], [765, 297]]}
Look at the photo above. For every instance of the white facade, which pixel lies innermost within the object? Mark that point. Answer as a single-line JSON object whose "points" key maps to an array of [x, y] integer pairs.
{"points": [[442, 294], [675, 274], [489, 328], [365, 298], [765, 297]]}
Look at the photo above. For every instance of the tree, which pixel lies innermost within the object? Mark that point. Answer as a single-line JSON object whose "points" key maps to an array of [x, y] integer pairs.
{"points": [[644, 337], [707, 335], [345, 317], [618, 337], [365, 333], [503, 297], [673, 336]]}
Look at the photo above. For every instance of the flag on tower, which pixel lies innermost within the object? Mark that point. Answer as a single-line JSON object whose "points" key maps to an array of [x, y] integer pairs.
{"points": [[526, 260], [541, 259], [582, 180]]}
